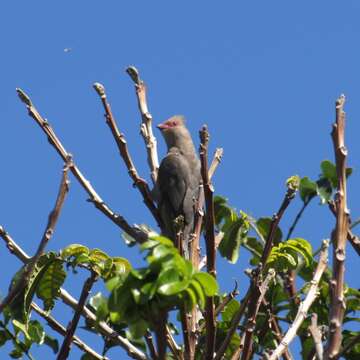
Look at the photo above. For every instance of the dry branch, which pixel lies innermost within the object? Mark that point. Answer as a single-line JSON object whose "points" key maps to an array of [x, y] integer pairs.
{"points": [[49, 230], [55, 325], [70, 331], [339, 236], [316, 335], [120, 140], [146, 124], [305, 304], [233, 326], [210, 319], [255, 293], [94, 197]]}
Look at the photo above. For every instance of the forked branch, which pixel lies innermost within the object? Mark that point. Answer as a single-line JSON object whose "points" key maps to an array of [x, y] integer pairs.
{"points": [[94, 197], [146, 124], [120, 140]]}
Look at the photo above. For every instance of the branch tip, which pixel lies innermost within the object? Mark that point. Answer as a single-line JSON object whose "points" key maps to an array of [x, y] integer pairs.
{"points": [[99, 88], [24, 97], [134, 74]]}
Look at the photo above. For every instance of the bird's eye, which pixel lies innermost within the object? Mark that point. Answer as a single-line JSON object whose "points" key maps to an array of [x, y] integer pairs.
{"points": [[174, 123]]}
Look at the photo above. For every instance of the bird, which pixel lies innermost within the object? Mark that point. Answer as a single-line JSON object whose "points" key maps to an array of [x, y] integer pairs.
{"points": [[177, 187]]}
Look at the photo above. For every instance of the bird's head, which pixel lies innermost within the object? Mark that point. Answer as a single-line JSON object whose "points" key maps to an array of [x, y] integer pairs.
{"points": [[174, 131]]}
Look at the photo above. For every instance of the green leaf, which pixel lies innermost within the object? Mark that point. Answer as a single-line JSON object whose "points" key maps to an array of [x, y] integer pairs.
{"points": [[51, 281], [99, 303], [121, 265], [324, 190], [18, 326], [223, 212], [307, 189], [230, 310], [191, 295], [230, 244], [52, 343], [329, 172], [200, 294], [263, 226], [207, 282], [169, 283], [138, 329], [74, 250], [36, 332]]}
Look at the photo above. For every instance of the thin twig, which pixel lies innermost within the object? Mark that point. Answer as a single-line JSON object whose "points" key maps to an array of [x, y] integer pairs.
{"points": [[120, 140], [260, 288], [216, 161], [13, 247], [146, 124], [223, 303], [255, 293], [297, 218], [70, 331], [49, 230], [199, 214], [55, 325], [69, 300], [233, 326], [316, 335], [150, 343], [94, 197], [304, 306], [339, 236], [275, 327], [209, 241], [174, 347]]}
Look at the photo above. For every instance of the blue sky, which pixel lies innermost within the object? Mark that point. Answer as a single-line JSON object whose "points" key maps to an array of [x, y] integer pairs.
{"points": [[263, 75]]}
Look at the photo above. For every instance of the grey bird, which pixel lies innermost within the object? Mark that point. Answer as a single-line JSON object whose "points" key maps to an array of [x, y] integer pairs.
{"points": [[177, 187]]}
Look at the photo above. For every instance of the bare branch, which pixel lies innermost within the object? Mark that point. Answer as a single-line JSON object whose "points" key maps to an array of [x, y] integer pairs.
{"points": [[94, 197], [70, 331], [316, 335], [55, 325], [233, 326], [352, 238], [13, 247], [174, 347], [120, 140], [209, 241], [292, 187], [305, 304], [146, 124], [150, 343], [339, 236], [49, 230], [216, 161]]}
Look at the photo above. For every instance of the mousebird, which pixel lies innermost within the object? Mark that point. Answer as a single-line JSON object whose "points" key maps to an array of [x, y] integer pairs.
{"points": [[177, 186]]}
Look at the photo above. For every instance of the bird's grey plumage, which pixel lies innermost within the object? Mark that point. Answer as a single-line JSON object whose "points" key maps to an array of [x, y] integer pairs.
{"points": [[177, 187]]}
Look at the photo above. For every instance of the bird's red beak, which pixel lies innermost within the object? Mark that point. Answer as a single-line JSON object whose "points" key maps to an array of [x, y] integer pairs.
{"points": [[162, 126]]}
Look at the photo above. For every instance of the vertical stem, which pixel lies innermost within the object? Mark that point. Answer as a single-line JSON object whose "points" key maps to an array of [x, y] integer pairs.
{"points": [[65, 348], [339, 235], [210, 243]]}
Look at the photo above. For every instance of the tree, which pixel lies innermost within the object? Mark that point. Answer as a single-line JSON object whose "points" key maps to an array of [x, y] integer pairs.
{"points": [[135, 311]]}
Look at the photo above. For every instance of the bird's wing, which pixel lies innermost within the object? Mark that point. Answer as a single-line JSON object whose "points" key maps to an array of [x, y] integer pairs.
{"points": [[174, 181]]}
